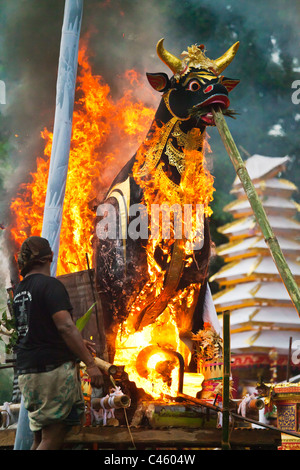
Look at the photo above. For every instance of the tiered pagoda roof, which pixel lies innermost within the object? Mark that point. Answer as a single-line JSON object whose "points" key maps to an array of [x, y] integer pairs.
{"points": [[262, 314]]}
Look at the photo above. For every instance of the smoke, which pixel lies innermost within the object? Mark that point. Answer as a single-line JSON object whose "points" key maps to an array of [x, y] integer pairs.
{"points": [[29, 52], [121, 35]]}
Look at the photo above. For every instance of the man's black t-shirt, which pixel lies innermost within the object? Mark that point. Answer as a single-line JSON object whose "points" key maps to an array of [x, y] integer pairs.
{"points": [[40, 346]]}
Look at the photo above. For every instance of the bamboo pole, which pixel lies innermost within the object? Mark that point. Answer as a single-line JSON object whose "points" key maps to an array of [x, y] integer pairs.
{"points": [[226, 380], [107, 403], [205, 404], [288, 368], [106, 367], [258, 210]]}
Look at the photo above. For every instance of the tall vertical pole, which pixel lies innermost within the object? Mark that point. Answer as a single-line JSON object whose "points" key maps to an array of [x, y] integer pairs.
{"points": [[288, 367], [226, 380], [65, 91]]}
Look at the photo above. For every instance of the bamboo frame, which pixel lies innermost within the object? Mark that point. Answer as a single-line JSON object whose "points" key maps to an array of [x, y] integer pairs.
{"points": [[106, 367], [259, 212], [107, 403], [226, 381]]}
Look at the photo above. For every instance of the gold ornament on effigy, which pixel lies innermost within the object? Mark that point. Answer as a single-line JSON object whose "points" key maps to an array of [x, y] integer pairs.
{"points": [[176, 158], [153, 155], [195, 57], [191, 140]]}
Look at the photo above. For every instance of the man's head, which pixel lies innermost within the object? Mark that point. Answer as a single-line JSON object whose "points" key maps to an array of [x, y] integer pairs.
{"points": [[35, 253]]}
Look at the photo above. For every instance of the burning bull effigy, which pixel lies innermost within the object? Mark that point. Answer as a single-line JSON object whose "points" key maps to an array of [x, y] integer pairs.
{"points": [[152, 245]]}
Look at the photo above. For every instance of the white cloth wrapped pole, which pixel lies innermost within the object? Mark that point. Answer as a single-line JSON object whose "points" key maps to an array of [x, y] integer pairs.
{"points": [[116, 399], [9, 412], [65, 91], [209, 312]]}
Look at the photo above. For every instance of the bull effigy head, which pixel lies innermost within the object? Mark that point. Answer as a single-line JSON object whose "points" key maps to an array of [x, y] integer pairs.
{"points": [[197, 83]]}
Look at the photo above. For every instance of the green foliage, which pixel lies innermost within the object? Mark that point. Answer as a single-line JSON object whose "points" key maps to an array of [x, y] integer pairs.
{"points": [[82, 321], [9, 325], [6, 388], [6, 380]]}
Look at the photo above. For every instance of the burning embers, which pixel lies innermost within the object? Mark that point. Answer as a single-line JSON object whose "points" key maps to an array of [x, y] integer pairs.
{"points": [[150, 357], [155, 359]]}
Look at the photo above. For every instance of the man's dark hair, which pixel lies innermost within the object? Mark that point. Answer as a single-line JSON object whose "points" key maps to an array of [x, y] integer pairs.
{"points": [[35, 251]]}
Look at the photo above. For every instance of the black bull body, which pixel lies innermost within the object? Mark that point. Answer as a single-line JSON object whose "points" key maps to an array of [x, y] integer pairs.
{"points": [[120, 254]]}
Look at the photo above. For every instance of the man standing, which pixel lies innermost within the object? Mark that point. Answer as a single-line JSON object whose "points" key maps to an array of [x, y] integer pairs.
{"points": [[48, 349]]}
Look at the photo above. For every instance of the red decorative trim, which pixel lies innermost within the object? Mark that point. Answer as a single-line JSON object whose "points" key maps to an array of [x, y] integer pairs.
{"points": [[252, 360], [290, 389]]}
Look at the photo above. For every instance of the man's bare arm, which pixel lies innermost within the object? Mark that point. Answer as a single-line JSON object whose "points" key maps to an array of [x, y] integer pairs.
{"points": [[75, 343]]}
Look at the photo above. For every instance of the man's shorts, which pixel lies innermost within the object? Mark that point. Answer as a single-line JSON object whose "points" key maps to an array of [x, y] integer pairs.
{"points": [[52, 397]]}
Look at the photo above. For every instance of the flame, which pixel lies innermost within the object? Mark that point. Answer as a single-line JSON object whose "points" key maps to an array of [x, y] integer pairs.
{"points": [[196, 188], [28, 206], [164, 334], [105, 134], [130, 344]]}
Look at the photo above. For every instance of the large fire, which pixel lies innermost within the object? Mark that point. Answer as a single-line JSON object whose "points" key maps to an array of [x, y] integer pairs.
{"points": [[105, 134], [156, 342]]}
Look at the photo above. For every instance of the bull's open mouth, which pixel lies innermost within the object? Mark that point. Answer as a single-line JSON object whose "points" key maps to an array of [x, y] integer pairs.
{"points": [[204, 109], [219, 100]]}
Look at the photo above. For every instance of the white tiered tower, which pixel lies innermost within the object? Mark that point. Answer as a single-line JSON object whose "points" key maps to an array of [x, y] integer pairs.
{"points": [[263, 318]]}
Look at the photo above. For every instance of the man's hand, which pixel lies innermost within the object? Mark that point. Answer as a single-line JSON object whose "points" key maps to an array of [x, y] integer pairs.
{"points": [[95, 376], [90, 345]]}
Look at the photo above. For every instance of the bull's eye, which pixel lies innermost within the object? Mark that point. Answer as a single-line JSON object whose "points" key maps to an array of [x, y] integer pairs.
{"points": [[193, 85]]}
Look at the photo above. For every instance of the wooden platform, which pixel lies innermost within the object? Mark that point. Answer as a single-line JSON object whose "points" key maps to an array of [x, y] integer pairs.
{"points": [[106, 437]]}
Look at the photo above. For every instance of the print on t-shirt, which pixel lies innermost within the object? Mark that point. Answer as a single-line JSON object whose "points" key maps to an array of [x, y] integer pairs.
{"points": [[22, 302]]}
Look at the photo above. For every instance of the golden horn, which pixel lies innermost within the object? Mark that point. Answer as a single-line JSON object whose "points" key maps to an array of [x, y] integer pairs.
{"points": [[226, 58], [170, 60]]}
